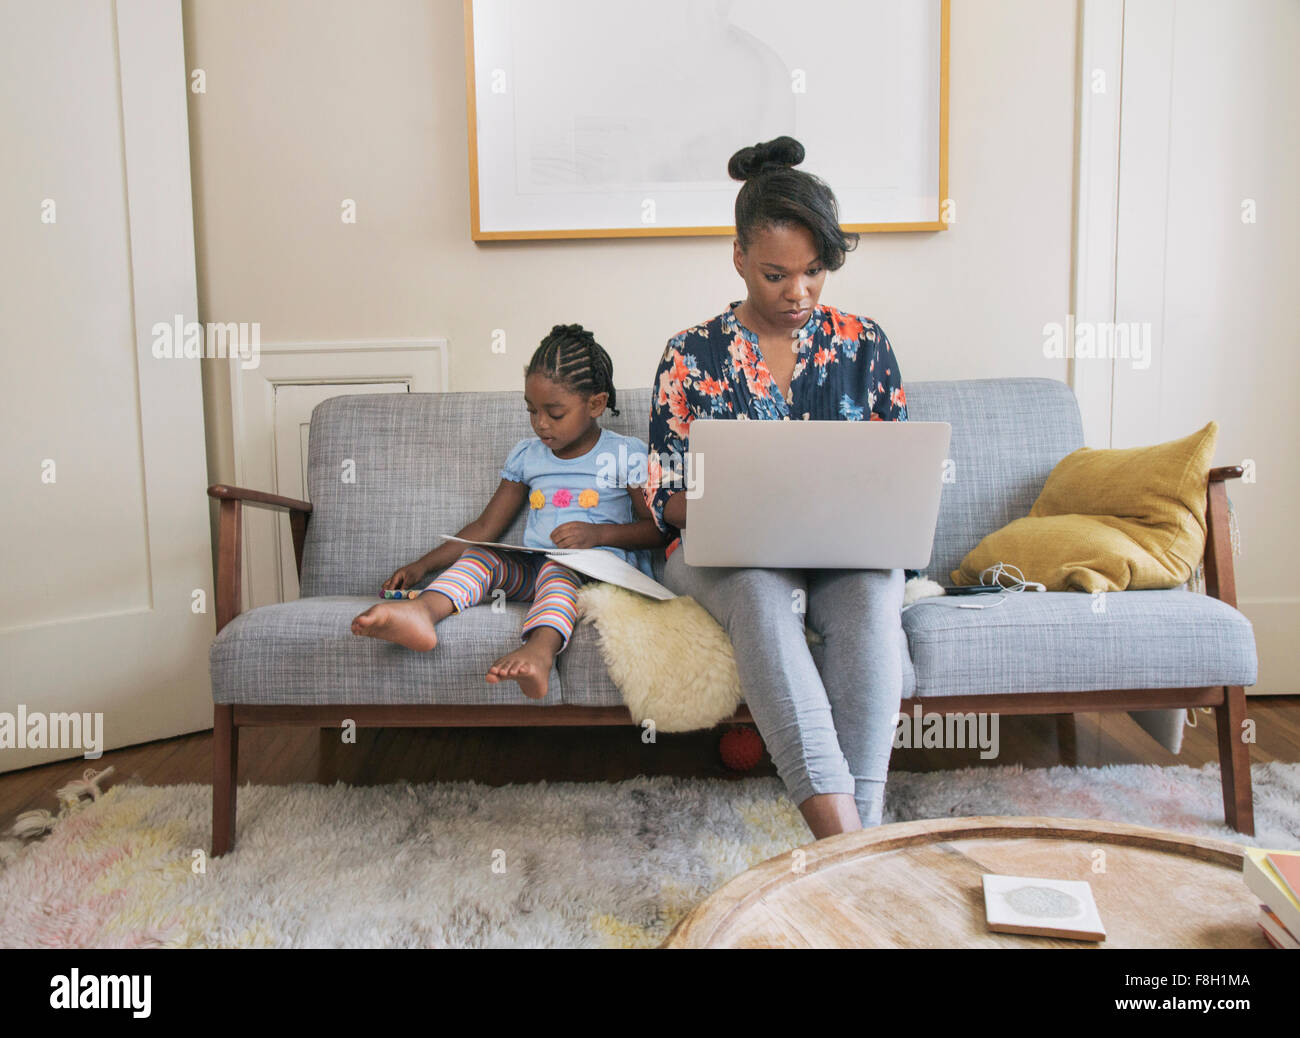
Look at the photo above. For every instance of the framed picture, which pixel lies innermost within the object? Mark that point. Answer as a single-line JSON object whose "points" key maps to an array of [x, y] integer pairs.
{"points": [[615, 118]]}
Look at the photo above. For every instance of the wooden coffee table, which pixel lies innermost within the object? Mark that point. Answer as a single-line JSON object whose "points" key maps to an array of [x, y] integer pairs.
{"points": [[918, 885]]}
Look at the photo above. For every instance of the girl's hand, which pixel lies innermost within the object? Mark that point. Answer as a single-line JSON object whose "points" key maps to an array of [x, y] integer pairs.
{"points": [[405, 578], [578, 535]]}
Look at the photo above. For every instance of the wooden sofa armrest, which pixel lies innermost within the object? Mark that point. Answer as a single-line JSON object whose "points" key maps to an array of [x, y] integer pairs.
{"points": [[1220, 581], [229, 539], [222, 492]]}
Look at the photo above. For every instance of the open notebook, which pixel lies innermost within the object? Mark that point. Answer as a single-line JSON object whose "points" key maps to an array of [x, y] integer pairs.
{"points": [[592, 562]]}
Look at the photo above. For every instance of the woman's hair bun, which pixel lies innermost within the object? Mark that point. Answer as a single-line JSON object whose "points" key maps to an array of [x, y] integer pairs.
{"points": [[783, 152]]}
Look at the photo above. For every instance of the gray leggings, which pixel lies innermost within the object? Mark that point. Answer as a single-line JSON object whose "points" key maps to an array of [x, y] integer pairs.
{"points": [[828, 731]]}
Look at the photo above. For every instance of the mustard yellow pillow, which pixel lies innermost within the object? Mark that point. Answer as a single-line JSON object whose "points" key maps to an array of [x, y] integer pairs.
{"points": [[1110, 520]]}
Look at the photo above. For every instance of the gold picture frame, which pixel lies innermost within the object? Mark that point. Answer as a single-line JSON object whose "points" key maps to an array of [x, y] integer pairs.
{"points": [[481, 234]]}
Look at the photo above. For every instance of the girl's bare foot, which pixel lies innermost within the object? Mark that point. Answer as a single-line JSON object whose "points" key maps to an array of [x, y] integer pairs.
{"points": [[530, 664], [409, 623]]}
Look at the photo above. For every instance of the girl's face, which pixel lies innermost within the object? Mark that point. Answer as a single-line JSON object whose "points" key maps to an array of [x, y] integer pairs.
{"points": [[783, 276], [561, 418]]}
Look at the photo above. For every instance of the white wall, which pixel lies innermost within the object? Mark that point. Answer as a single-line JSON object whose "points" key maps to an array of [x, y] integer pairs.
{"points": [[312, 101]]}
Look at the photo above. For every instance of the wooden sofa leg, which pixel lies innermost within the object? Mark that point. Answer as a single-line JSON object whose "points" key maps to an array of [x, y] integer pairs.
{"points": [[225, 773], [1067, 739], [327, 760], [1234, 761]]}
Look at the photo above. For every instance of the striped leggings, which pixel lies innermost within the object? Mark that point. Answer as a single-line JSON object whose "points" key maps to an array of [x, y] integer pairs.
{"points": [[552, 588]]}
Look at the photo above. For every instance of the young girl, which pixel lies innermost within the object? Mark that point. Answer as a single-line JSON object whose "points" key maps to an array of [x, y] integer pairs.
{"points": [[573, 476]]}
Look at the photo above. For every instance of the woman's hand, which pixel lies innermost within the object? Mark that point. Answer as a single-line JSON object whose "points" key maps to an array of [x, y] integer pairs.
{"points": [[578, 535], [406, 577], [675, 510]]}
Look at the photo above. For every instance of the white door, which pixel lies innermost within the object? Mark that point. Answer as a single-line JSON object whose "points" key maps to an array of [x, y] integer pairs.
{"points": [[106, 608], [1207, 265]]}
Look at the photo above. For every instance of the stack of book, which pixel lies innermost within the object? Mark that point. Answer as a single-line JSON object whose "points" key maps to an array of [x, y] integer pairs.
{"points": [[1274, 877]]}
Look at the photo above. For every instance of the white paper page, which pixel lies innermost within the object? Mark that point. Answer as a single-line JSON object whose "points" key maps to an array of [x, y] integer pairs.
{"points": [[606, 566]]}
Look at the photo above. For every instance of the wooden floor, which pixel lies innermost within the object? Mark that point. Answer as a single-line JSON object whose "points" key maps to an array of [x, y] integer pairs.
{"points": [[498, 756]]}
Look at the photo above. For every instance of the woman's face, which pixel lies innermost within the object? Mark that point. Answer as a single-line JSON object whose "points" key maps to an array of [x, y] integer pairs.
{"points": [[783, 276], [560, 417]]}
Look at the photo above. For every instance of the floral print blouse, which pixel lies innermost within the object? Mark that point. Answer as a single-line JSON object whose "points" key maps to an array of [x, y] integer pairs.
{"points": [[846, 370]]}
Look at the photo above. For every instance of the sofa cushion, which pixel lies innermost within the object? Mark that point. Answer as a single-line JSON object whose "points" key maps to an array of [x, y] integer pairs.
{"points": [[1110, 520], [304, 653], [1007, 436], [389, 472], [1056, 642], [587, 681]]}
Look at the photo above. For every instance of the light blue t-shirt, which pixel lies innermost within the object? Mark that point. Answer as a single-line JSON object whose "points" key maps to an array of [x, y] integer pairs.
{"points": [[588, 489]]}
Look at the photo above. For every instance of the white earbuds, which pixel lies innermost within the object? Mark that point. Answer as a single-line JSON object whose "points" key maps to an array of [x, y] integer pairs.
{"points": [[1017, 584], [991, 577]]}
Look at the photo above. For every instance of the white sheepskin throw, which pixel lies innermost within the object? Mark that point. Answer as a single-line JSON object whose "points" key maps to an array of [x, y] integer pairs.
{"points": [[671, 660], [694, 683], [920, 587]]}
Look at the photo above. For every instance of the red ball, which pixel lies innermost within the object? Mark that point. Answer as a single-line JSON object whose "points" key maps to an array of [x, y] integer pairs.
{"points": [[741, 748]]}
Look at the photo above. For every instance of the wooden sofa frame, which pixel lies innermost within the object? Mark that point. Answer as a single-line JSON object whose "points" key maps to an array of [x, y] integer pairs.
{"points": [[1229, 702]]}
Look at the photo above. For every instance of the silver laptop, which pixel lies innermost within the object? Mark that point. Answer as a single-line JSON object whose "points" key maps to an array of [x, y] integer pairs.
{"points": [[842, 495]]}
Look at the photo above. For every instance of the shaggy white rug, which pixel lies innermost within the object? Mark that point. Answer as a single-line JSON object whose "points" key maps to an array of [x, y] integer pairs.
{"points": [[466, 865]]}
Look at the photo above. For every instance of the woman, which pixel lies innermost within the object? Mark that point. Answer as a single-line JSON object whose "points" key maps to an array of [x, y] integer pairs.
{"points": [[780, 355]]}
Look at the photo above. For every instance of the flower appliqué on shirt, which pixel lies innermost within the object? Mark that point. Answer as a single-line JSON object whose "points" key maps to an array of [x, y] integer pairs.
{"points": [[563, 498]]}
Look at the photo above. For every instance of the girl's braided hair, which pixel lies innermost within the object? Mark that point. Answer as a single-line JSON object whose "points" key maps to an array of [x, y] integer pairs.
{"points": [[571, 356]]}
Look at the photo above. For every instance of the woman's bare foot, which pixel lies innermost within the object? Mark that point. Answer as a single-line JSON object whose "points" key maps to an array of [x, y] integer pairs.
{"points": [[530, 664], [410, 623]]}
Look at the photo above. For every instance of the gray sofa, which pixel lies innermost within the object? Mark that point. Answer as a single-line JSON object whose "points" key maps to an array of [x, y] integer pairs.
{"points": [[426, 464]]}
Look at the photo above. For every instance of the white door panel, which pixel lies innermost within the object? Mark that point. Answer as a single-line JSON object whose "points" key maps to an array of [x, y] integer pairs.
{"points": [[105, 521]]}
